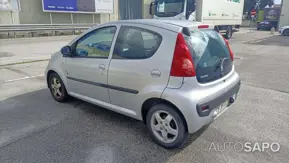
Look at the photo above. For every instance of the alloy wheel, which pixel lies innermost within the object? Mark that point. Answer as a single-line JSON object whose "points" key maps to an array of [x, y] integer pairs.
{"points": [[164, 126], [56, 87]]}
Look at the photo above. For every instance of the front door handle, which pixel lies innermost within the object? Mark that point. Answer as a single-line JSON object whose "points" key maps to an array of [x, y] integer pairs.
{"points": [[155, 73], [102, 67]]}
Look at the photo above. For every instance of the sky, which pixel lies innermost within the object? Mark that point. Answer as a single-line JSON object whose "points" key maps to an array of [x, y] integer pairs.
{"points": [[277, 1]]}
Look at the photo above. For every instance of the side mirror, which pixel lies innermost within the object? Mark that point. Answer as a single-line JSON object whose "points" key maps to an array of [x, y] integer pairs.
{"points": [[152, 7], [66, 51]]}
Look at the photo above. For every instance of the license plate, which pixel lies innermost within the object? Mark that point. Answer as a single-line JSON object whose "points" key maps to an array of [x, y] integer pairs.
{"points": [[222, 107]]}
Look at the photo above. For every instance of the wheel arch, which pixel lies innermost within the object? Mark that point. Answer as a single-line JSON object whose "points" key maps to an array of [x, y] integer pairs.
{"points": [[285, 30], [48, 75], [149, 103], [51, 71]]}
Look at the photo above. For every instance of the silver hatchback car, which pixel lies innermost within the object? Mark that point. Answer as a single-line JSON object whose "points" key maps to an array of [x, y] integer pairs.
{"points": [[176, 76]]}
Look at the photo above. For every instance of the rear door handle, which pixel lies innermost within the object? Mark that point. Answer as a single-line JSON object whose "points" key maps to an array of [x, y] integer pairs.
{"points": [[102, 67], [155, 73]]}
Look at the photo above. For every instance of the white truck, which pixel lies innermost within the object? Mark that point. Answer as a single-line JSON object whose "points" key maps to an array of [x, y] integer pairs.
{"points": [[226, 15]]}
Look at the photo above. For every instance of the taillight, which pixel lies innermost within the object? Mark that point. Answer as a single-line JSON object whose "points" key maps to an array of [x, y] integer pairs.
{"points": [[182, 65], [230, 50]]}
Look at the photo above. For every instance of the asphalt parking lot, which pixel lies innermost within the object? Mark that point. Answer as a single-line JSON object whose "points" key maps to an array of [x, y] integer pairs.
{"points": [[34, 128]]}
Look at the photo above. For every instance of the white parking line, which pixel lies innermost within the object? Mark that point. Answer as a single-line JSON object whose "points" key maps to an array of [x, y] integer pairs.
{"points": [[260, 40], [256, 41], [26, 77]]}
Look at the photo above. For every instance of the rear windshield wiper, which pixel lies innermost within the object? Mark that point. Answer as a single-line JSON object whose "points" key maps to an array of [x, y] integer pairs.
{"points": [[220, 64]]}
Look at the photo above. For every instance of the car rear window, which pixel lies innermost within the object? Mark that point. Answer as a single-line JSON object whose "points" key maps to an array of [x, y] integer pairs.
{"points": [[210, 54]]}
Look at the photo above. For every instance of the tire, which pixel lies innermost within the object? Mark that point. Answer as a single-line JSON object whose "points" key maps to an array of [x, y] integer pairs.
{"points": [[229, 32], [57, 90], [161, 125], [286, 32]]}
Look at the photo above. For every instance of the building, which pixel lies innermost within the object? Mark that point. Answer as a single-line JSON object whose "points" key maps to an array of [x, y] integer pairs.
{"points": [[31, 11], [284, 17]]}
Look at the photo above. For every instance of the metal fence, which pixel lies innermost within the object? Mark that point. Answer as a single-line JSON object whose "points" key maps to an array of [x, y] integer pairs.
{"points": [[34, 28]]}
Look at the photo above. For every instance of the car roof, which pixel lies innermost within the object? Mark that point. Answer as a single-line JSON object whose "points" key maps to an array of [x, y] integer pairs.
{"points": [[173, 25]]}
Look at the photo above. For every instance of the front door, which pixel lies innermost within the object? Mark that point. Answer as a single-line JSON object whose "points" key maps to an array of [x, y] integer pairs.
{"points": [[87, 68]]}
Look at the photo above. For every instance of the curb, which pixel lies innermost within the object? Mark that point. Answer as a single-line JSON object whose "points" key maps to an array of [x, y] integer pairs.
{"points": [[23, 62]]}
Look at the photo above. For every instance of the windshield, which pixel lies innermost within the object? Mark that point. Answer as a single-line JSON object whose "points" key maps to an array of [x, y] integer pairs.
{"points": [[210, 54], [168, 8]]}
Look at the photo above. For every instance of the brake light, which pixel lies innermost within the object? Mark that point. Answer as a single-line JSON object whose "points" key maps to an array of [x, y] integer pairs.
{"points": [[230, 50], [203, 26], [205, 108], [182, 65]]}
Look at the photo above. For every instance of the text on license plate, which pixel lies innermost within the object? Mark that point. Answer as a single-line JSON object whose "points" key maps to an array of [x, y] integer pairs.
{"points": [[222, 107]]}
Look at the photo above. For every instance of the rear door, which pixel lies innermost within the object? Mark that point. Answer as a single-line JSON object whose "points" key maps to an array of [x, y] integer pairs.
{"points": [[140, 65]]}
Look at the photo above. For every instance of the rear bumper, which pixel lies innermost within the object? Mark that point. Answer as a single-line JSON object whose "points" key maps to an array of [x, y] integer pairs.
{"points": [[189, 101], [211, 104]]}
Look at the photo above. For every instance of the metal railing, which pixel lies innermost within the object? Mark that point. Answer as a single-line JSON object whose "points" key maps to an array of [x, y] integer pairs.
{"points": [[14, 28]]}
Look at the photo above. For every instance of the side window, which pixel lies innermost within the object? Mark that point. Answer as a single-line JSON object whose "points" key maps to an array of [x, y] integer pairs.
{"points": [[96, 43], [136, 43]]}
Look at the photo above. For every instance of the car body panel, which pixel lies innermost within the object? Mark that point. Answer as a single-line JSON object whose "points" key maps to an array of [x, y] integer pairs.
{"points": [[171, 25], [87, 75], [79, 73], [264, 25], [188, 96], [56, 65], [283, 28]]}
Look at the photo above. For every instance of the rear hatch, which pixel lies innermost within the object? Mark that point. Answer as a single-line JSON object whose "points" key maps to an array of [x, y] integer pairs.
{"points": [[204, 60], [210, 53]]}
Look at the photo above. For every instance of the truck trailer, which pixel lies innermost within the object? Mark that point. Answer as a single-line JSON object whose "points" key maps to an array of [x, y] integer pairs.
{"points": [[284, 16], [226, 15]]}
